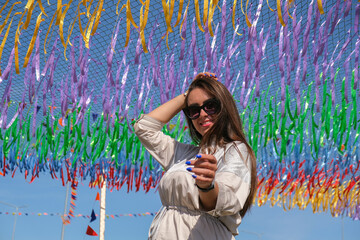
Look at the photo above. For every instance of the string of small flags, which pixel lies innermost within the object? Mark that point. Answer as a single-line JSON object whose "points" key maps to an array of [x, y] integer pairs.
{"points": [[108, 216], [90, 231], [66, 219]]}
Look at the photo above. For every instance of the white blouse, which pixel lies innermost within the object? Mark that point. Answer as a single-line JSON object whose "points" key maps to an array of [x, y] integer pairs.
{"points": [[182, 216]]}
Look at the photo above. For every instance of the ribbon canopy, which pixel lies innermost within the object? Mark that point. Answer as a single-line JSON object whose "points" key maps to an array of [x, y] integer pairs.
{"points": [[76, 75]]}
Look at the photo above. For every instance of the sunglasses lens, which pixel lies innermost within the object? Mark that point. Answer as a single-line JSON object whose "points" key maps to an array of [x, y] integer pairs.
{"points": [[194, 112], [211, 107]]}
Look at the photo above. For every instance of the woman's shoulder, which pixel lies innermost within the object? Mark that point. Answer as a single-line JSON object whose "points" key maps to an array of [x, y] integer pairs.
{"points": [[233, 158], [237, 146]]}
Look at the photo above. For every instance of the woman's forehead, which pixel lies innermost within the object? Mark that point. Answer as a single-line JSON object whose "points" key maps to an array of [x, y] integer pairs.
{"points": [[198, 96]]}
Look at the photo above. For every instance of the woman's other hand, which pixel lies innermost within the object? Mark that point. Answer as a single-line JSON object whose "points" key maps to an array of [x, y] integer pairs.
{"points": [[204, 169], [206, 74]]}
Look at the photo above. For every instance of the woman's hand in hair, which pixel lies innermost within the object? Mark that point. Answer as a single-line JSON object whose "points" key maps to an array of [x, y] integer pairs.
{"points": [[206, 75]]}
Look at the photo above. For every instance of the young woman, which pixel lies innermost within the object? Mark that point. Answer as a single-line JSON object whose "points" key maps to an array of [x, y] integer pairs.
{"points": [[206, 189]]}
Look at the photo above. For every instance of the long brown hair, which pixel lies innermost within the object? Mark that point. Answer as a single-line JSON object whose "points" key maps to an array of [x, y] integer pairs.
{"points": [[227, 127]]}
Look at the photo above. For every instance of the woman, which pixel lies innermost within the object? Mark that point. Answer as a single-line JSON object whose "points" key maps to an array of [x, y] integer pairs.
{"points": [[206, 189]]}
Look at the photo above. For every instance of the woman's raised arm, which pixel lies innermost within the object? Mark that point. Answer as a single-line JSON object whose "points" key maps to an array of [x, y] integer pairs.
{"points": [[168, 110]]}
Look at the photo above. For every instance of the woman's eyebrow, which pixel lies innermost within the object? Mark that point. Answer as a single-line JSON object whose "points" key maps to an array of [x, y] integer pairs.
{"points": [[194, 105]]}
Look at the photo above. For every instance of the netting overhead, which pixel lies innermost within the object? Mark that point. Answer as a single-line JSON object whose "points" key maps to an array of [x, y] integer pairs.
{"points": [[75, 75]]}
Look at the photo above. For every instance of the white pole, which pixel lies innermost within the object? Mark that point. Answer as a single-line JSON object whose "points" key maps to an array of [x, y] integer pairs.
{"points": [[102, 211], [16, 213], [65, 204]]}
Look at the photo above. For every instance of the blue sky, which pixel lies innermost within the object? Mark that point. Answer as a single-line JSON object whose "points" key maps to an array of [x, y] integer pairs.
{"points": [[47, 195]]}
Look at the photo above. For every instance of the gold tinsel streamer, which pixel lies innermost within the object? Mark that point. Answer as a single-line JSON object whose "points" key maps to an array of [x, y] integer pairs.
{"points": [[16, 44], [61, 25], [278, 8], [182, 22], [94, 18], [129, 19], [233, 17], [322, 196], [143, 20], [319, 3], [7, 32], [2, 8], [32, 41], [248, 23], [47, 33]]}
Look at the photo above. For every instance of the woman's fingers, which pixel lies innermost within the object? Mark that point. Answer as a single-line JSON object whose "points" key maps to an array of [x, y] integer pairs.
{"points": [[204, 161], [203, 169], [206, 74], [207, 173]]}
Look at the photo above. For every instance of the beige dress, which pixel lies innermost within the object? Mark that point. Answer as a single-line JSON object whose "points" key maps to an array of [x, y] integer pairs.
{"points": [[182, 216]]}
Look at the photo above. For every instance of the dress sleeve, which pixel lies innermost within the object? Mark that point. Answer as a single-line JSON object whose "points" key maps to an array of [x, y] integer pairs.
{"points": [[159, 145], [233, 178]]}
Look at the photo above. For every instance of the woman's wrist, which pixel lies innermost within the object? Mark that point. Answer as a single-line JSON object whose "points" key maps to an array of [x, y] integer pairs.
{"points": [[207, 189]]}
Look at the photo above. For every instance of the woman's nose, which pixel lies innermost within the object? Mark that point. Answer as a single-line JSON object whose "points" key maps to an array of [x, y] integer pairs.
{"points": [[203, 113]]}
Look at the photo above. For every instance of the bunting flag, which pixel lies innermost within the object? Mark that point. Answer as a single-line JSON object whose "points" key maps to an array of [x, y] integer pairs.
{"points": [[90, 231], [79, 215], [93, 216], [66, 219], [90, 70]]}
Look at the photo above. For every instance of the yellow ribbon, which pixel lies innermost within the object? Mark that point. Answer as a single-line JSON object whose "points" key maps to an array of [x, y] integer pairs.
{"points": [[206, 10], [289, 5], [7, 17], [89, 27], [58, 12], [248, 23], [269, 6], [197, 15], [80, 26], [143, 20], [212, 8], [182, 22], [98, 15], [61, 24], [47, 33], [233, 17], [129, 19], [168, 13], [4, 39], [129, 15], [16, 45], [117, 7], [71, 27], [88, 7], [278, 6], [181, 3], [41, 7], [2, 8], [322, 195], [29, 7], [320, 6], [32, 42]]}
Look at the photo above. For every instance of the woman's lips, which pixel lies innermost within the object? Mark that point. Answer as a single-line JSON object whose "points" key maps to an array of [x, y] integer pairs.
{"points": [[206, 123]]}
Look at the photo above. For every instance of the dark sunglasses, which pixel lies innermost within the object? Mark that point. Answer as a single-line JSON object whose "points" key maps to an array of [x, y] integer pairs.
{"points": [[210, 106]]}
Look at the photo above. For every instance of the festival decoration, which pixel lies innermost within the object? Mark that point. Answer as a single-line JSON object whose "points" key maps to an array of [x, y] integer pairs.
{"points": [[90, 231], [292, 66], [66, 219], [91, 217]]}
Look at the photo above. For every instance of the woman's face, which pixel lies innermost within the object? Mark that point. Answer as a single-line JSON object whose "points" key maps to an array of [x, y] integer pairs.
{"points": [[204, 122]]}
